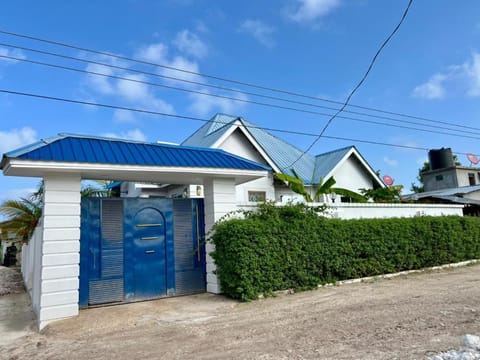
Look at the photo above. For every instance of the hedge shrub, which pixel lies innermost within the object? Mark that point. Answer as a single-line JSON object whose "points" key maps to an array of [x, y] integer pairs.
{"points": [[287, 247]]}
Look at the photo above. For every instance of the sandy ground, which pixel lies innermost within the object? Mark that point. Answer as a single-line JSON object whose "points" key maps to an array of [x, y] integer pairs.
{"points": [[408, 317]]}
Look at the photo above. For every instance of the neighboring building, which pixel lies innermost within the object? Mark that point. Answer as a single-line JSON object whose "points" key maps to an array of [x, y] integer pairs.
{"points": [[449, 182], [240, 137]]}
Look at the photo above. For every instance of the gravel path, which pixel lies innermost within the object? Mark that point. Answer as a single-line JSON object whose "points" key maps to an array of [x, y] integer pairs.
{"points": [[11, 281], [409, 317]]}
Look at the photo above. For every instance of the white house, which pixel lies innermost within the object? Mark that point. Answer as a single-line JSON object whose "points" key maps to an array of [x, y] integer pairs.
{"points": [[240, 137]]}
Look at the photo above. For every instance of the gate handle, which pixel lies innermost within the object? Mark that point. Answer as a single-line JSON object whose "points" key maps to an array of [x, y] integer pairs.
{"points": [[150, 238], [150, 252]]}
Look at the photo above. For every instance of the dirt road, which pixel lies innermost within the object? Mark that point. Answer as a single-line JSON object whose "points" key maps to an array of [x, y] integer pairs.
{"points": [[408, 317]]}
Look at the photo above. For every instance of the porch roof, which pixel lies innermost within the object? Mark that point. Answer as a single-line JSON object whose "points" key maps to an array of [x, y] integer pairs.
{"points": [[100, 158]]}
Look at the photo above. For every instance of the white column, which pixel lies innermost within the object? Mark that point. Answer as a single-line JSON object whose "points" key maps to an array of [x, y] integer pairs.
{"points": [[60, 249], [220, 199]]}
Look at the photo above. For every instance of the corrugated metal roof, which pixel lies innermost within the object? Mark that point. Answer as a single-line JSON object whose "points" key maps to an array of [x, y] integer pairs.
{"points": [[283, 154], [85, 149], [324, 163], [209, 133], [445, 192]]}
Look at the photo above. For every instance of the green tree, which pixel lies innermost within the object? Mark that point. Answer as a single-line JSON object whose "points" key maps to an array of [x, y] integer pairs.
{"points": [[296, 184], [22, 215], [388, 194]]}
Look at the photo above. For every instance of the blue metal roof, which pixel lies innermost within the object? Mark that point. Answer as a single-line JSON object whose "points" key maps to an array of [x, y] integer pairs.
{"points": [[324, 163], [311, 169], [85, 149]]}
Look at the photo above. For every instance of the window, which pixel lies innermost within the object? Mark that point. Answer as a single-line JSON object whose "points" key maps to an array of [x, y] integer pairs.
{"points": [[439, 177], [471, 178], [257, 196]]}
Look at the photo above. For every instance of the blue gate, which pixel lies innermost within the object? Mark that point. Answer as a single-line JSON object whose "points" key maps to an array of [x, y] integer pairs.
{"points": [[138, 249]]}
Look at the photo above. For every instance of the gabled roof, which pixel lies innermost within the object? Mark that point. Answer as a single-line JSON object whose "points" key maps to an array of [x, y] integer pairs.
{"points": [[311, 169], [459, 195], [96, 150]]}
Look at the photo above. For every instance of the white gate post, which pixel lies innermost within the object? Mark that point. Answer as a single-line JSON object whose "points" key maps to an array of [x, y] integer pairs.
{"points": [[60, 249], [220, 199]]}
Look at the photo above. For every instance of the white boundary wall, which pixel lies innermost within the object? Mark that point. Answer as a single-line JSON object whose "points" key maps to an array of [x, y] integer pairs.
{"points": [[379, 210], [391, 210]]}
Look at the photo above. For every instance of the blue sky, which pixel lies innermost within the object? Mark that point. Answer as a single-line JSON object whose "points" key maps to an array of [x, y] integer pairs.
{"points": [[320, 48]]}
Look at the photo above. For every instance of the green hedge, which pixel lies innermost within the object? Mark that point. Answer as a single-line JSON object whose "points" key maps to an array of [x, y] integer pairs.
{"points": [[292, 247]]}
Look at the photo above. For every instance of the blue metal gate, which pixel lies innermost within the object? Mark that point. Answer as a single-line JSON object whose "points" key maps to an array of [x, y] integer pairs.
{"points": [[138, 249]]}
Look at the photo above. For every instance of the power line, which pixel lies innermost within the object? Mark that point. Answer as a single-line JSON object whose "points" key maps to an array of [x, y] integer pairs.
{"points": [[244, 100], [193, 118], [221, 88], [372, 62], [262, 87]]}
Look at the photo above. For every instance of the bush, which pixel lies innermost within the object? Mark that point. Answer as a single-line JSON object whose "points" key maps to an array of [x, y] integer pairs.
{"points": [[287, 247]]}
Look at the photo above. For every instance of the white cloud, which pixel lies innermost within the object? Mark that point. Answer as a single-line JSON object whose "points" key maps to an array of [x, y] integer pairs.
{"points": [[464, 77], [134, 134], [189, 43], [390, 162], [203, 105], [155, 53], [432, 89], [472, 70], [16, 138], [132, 89], [311, 10], [260, 31], [190, 69], [123, 116], [16, 53]]}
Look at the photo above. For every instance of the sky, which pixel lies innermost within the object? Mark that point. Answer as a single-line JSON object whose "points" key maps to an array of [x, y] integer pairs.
{"points": [[317, 48]]}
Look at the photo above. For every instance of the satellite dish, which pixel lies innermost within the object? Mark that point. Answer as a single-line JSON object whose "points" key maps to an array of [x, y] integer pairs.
{"points": [[388, 180], [473, 159]]}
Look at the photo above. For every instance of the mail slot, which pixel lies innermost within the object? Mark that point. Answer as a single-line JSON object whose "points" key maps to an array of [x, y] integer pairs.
{"points": [[150, 238], [148, 225]]}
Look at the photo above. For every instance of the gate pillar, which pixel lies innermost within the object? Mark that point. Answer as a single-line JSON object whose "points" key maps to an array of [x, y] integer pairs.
{"points": [[219, 199], [57, 286]]}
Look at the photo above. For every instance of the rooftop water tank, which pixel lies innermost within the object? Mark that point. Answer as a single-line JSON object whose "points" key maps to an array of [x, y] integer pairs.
{"points": [[440, 158]]}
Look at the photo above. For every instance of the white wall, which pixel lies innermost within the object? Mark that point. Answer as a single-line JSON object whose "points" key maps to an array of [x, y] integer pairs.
{"points": [[219, 200], [60, 249], [375, 210], [352, 175], [238, 144]]}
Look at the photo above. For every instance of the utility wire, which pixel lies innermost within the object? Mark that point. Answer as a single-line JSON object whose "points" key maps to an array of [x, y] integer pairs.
{"points": [[193, 118], [221, 88], [357, 86], [244, 100], [276, 90]]}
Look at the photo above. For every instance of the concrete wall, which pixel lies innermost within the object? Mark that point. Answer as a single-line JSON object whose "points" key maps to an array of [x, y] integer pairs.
{"points": [[238, 144], [59, 247], [219, 200], [369, 210], [352, 175], [378, 211]]}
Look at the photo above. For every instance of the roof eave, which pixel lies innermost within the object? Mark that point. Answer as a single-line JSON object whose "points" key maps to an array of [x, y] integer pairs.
{"points": [[100, 171]]}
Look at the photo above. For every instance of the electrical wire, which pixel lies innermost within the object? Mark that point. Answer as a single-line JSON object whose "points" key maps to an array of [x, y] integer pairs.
{"points": [[372, 62], [262, 87], [244, 100], [193, 118], [220, 88]]}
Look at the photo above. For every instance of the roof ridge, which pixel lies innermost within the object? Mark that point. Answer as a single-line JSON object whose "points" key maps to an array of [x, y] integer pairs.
{"points": [[253, 126], [336, 150]]}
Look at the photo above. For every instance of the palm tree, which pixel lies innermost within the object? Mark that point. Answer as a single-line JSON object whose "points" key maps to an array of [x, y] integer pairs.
{"points": [[296, 184], [22, 216]]}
